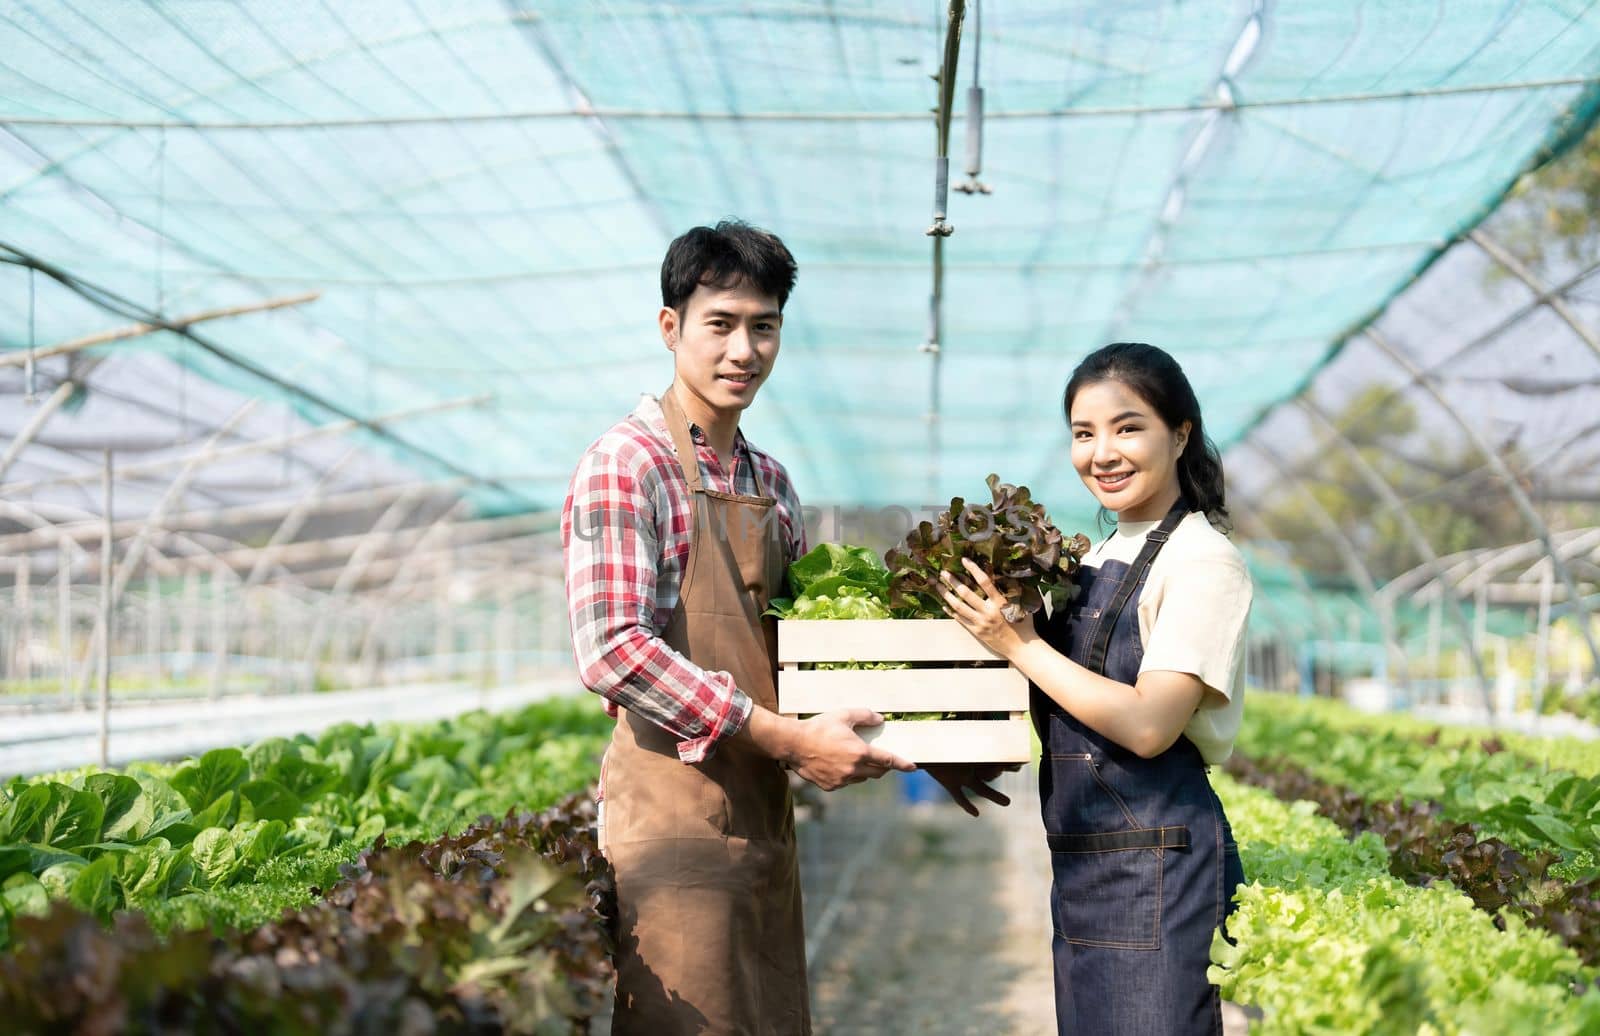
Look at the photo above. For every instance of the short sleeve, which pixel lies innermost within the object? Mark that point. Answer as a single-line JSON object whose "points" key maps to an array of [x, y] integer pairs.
{"points": [[1199, 627]]}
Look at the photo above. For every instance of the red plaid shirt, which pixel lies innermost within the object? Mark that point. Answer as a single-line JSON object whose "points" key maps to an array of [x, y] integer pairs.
{"points": [[630, 503]]}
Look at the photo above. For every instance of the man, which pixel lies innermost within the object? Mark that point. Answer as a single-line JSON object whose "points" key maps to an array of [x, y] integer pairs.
{"points": [[677, 533]]}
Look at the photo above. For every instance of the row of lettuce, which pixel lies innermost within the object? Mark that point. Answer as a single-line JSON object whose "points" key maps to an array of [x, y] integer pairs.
{"points": [[1449, 883], [202, 892], [1407, 878]]}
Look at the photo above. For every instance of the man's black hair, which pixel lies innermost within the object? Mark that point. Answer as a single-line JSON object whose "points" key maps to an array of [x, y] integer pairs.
{"points": [[730, 253]]}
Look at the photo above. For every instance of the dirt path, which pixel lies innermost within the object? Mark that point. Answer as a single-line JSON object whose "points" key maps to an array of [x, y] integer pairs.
{"points": [[922, 921], [942, 928], [945, 931]]}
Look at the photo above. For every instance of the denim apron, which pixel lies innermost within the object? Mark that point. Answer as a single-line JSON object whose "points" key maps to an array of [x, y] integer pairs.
{"points": [[1143, 861]]}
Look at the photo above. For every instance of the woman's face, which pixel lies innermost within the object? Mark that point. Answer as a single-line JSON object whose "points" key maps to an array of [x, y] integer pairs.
{"points": [[1124, 452]]}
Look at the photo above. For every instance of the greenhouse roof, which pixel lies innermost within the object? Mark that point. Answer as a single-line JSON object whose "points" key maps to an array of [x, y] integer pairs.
{"points": [[481, 192]]}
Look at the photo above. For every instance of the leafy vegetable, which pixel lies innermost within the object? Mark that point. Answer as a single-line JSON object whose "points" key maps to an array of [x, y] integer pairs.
{"points": [[236, 836], [214, 775], [1325, 941], [850, 602], [833, 581], [499, 929], [1012, 540], [1525, 804], [1424, 848], [830, 566]]}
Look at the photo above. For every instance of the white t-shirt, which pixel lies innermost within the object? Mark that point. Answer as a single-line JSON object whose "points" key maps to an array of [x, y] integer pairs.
{"points": [[1192, 616]]}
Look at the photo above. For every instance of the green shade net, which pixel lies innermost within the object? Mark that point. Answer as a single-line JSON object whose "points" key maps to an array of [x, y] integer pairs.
{"points": [[483, 192]]}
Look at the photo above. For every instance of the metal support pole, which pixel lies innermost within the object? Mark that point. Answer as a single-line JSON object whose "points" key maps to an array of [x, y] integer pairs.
{"points": [[251, 449], [14, 359], [64, 619], [1419, 541], [444, 638], [556, 638], [14, 448], [407, 575], [1541, 657], [505, 637], [292, 522], [107, 628], [173, 494], [192, 520], [1553, 300], [1435, 637], [219, 633], [135, 554], [1513, 489], [189, 620], [1480, 616], [152, 625], [22, 597], [391, 519]]}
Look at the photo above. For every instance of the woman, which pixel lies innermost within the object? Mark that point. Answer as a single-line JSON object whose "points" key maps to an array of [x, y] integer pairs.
{"points": [[1136, 692]]}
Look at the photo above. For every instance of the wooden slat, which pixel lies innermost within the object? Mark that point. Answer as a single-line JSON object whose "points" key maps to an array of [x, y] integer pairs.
{"points": [[903, 690], [955, 740], [879, 640]]}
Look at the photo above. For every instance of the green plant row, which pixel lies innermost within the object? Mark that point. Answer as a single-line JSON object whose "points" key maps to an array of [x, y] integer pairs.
{"points": [[497, 930], [235, 836], [1570, 754], [1326, 941], [1530, 806], [1424, 848]]}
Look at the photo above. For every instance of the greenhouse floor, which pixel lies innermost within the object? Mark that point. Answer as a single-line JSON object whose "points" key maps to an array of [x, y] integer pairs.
{"points": [[922, 920]]}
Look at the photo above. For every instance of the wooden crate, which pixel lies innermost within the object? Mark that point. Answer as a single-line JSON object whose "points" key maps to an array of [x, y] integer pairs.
{"points": [[940, 687]]}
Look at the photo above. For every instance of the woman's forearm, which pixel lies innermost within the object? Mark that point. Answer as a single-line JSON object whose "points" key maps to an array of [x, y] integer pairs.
{"points": [[1145, 717]]}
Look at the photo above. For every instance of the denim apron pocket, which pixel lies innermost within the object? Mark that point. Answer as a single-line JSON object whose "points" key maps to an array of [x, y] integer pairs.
{"points": [[1108, 871]]}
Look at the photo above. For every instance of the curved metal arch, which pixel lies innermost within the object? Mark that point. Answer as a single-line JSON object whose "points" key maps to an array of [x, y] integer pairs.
{"points": [[1509, 479], [1557, 304], [1413, 532], [1571, 543], [1348, 554], [392, 593]]}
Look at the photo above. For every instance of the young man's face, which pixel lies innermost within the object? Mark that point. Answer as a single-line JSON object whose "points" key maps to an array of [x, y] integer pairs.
{"points": [[724, 344]]}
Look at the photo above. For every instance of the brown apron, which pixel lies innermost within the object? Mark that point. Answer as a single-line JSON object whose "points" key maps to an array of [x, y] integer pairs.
{"points": [[711, 937]]}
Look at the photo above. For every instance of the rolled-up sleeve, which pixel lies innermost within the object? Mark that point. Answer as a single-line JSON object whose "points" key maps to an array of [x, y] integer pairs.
{"points": [[611, 550]]}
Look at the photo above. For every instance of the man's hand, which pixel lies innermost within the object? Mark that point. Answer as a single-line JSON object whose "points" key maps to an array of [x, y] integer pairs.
{"points": [[825, 749], [830, 754], [959, 778]]}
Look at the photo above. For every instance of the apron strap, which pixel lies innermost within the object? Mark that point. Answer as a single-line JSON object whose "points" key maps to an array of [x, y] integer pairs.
{"points": [[683, 445], [1154, 541]]}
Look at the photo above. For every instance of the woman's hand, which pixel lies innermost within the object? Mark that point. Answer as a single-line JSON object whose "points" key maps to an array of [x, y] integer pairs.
{"points": [[983, 611], [959, 778]]}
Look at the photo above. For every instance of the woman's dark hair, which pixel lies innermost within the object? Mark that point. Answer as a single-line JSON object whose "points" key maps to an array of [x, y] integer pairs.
{"points": [[1154, 376], [725, 255]]}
